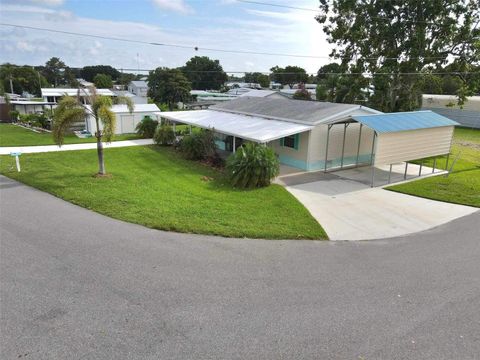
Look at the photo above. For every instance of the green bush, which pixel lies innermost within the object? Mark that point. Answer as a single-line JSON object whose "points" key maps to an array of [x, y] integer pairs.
{"points": [[146, 127], [13, 115], [199, 145], [37, 120], [164, 135], [253, 165]]}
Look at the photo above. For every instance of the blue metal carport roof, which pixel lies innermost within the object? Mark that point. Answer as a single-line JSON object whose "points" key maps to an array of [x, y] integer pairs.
{"points": [[403, 121]]}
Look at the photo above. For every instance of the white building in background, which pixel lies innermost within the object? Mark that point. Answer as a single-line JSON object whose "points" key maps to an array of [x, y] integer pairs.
{"points": [[468, 115], [53, 95], [138, 88], [126, 121]]}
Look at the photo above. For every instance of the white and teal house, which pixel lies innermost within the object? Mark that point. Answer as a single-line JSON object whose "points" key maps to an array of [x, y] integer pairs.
{"points": [[312, 136]]}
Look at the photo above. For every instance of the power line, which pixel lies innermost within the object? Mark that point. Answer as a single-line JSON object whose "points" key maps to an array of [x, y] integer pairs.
{"points": [[196, 48], [314, 73], [382, 18]]}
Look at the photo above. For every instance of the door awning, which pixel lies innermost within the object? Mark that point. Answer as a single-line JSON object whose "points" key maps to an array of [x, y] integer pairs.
{"points": [[247, 127]]}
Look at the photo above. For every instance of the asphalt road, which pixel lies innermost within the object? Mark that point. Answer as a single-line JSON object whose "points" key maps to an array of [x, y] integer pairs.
{"points": [[78, 285]]}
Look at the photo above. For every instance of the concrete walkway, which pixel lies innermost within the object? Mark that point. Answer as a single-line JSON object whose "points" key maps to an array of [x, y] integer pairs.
{"points": [[349, 209], [69, 147]]}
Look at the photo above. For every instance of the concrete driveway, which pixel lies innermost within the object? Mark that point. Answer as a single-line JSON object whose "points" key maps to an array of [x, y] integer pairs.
{"points": [[78, 285], [349, 209]]}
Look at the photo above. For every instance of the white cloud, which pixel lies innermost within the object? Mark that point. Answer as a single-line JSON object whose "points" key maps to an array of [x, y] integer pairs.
{"points": [[42, 2], [174, 5], [296, 33]]}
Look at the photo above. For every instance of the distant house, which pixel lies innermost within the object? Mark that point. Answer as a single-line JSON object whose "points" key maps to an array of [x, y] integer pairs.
{"points": [[54, 95], [138, 87], [126, 121], [468, 115], [312, 135], [136, 99]]}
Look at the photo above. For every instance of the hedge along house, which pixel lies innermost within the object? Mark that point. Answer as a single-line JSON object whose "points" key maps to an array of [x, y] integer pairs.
{"points": [[312, 136]]}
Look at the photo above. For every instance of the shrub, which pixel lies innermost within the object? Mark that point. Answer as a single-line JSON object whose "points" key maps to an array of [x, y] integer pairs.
{"points": [[199, 145], [302, 94], [253, 165], [164, 135], [13, 115], [146, 127]]}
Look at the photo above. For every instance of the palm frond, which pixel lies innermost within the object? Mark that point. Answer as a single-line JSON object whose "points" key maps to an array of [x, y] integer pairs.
{"points": [[127, 101], [108, 119], [68, 112]]}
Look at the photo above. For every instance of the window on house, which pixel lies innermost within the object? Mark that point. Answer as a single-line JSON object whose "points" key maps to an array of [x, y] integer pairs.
{"points": [[291, 141]]}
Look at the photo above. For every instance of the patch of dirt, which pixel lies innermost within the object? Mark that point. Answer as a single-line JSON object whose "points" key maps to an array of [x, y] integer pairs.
{"points": [[469, 144], [102, 176]]}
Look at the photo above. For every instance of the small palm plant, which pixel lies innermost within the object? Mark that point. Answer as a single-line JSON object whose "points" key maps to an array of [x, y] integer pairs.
{"points": [[253, 165], [71, 110]]}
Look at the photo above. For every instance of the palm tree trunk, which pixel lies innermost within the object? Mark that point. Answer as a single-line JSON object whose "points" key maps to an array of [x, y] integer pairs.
{"points": [[101, 163]]}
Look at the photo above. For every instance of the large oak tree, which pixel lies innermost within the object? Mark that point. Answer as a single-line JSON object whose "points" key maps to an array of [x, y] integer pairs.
{"points": [[395, 40]]}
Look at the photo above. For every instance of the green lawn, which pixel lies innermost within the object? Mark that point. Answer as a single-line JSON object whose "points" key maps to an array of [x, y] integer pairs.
{"points": [[155, 187], [12, 135], [462, 186]]}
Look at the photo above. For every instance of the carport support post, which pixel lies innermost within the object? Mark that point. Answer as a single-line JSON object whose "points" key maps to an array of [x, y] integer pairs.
{"points": [[373, 176], [390, 174], [373, 147], [359, 142], [434, 163], [234, 144], [420, 170], [406, 167], [326, 150], [343, 144]]}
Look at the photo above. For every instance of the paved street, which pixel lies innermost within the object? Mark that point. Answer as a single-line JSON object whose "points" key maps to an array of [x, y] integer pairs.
{"points": [[78, 285]]}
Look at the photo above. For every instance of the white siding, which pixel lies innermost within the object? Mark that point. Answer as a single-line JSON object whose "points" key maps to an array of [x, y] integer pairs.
{"points": [[411, 145], [126, 122]]}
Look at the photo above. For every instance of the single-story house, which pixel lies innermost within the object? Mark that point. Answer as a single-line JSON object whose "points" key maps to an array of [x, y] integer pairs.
{"points": [[138, 88], [53, 95], [126, 121], [135, 98], [468, 115], [311, 135]]}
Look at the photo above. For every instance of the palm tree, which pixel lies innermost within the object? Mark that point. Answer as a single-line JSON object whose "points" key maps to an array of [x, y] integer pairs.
{"points": [[88, 103]]}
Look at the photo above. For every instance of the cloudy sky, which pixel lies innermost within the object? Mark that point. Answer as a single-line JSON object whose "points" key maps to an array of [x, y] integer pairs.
{"points": [[219, 24]]}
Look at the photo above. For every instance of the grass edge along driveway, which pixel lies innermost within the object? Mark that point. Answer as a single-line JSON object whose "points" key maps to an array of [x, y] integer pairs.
{"points": [[462, 186], [153, 186]]}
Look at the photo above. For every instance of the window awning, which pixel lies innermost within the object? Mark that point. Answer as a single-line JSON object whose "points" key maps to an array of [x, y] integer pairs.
{"points": [[247, 127]]}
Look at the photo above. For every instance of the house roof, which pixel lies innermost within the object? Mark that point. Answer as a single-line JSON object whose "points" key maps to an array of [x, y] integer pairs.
{"points": [[139, 108], [73, 92], [403, 121], [304, 112], [251, 128], [258, 93]]}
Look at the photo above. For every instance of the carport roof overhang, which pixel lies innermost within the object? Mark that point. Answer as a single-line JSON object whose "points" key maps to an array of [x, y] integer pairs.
{"points": [[401, 121], [251, 128]]}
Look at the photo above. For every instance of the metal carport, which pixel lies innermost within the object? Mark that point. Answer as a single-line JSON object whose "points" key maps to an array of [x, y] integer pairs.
{"points": [[405, 136]]}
